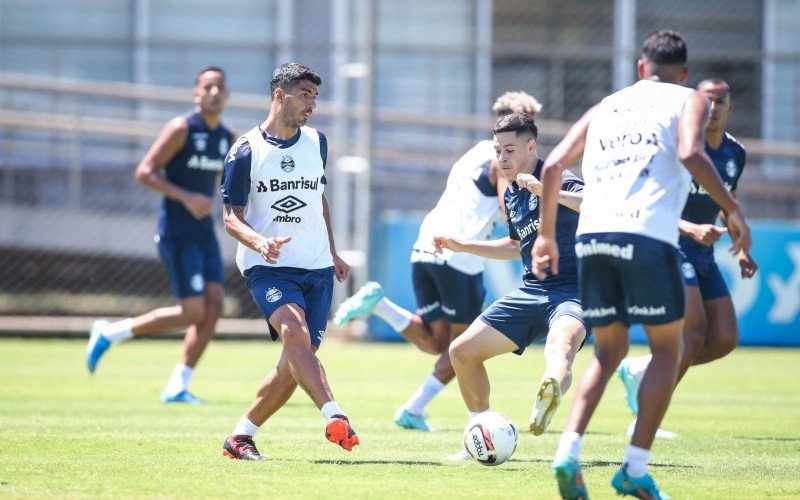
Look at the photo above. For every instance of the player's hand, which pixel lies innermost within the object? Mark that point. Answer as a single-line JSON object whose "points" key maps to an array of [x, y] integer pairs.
{"points": [[707, 234], [747, 265], [340, 268], [198, 204], [529, 182], [440, 243], [739, 231], [270, 249], [544, 255]]}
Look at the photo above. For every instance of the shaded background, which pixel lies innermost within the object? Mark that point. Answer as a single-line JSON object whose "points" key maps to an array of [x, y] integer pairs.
{"points": [[86, 85]]}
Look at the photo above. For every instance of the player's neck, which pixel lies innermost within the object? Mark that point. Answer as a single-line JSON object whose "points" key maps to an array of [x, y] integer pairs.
{"points": [[211, 119], [273, 126], [714, 137]]}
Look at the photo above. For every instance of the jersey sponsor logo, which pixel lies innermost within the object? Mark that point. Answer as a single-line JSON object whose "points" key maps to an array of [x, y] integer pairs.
{"points": [[595, 248], [632, 139], [448, 311], [533, 202], [731, 169], [695, 188], [223, 146], [647, 310], [287, 218], [320, 335], [599, 312], [197, 282], [278, 185], [287, 163], [273, 294], [200, 140], [288, 204], [529, 229], [688, 270], [204, 163]]}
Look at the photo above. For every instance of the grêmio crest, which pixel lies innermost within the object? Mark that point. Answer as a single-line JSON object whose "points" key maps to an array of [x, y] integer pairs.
{"points": [[287, 163]]}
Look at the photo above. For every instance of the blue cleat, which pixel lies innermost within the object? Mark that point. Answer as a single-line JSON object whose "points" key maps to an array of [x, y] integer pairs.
{"points": [[97, 346], [181, 397], [570, 479], [639, 487], [408, 420], [360, 304], [631, 384]]}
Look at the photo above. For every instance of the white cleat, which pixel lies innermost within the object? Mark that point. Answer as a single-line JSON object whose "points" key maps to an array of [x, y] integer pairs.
{"points": [[461, 456], [660, 433], [547, 400]]}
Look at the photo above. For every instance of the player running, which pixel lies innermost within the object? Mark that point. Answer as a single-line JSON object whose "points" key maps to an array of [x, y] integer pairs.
{"points": [[627, 243], [275, 206], [537, 309], [184, 164], [710, 330], [449, 286]]}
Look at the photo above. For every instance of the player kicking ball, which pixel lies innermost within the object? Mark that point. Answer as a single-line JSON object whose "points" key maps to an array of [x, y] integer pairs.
{"points": [[538, 309]]}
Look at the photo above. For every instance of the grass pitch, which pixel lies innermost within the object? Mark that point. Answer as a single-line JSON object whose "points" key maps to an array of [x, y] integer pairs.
{"points": [[64, 433]]}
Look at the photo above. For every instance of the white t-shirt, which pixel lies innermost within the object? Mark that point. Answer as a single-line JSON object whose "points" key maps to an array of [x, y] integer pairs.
{"points": [[468, 209], [635, 182]]}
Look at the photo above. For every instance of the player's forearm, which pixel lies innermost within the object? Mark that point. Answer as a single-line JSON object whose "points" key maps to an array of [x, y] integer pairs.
{"points": [[685, 228], [501, 249], [570, 200], [240, 230], [156, 181]]}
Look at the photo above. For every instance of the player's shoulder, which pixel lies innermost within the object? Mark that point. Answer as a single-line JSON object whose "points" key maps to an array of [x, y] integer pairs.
{"points": [[733, 143], [311, 132], [239, 151]]}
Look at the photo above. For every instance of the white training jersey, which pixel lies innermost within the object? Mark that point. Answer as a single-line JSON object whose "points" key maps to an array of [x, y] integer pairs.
{"points": [[468, 209], [286, 200], [635, 182]]}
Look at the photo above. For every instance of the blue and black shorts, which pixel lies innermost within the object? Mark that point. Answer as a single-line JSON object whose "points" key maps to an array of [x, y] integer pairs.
{"points": [[629, 278], [701, 270], [442, 291], [190, 264], [272, 287]]}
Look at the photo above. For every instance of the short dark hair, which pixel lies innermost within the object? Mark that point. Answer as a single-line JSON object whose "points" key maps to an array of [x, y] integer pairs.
{"points": [[290, 74], [206, 70], [716, 81], [521, 123], [664, 47]]}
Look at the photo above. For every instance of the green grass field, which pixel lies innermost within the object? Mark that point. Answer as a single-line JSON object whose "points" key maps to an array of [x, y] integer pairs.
{"points": [[65, 433]]}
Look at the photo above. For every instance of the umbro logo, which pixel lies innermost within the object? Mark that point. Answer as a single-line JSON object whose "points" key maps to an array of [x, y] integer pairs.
{"points": [[288, 204]]}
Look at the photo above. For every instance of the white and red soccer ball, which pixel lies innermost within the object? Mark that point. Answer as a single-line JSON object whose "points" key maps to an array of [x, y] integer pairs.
{"points": [[490, 438]]}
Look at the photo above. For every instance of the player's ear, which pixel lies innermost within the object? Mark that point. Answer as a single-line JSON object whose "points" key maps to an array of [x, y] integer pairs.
{"points": [[531, 146], [279, 94], [640, 68], [684, 75]]}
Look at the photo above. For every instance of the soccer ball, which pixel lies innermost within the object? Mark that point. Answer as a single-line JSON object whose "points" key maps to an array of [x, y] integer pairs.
{"points": [[490, 438]]}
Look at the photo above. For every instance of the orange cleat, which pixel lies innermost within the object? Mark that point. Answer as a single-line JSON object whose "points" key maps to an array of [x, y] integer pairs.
{"points": [[339, 431]]}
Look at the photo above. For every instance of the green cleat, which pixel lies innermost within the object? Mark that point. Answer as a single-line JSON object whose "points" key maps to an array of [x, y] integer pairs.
{"points": [[639, 487], [570, 479], [360, 304], [408, 420]]}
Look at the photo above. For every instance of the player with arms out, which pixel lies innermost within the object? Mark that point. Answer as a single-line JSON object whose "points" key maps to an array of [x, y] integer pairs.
{"points": [[710, 330], [184, 164], [448, 286], [637, 142], [538, 309], [275, 206]]}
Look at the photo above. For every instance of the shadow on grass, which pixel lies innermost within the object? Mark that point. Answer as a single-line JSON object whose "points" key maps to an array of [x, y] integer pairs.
{"points": [[751, 438], [376, 462]]}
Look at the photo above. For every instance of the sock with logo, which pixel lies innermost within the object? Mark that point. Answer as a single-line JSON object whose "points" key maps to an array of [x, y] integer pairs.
{"points": [[245, 427], [569, 445], [425, 393], [330, 409], [397, 317], [637, 459], [118, 331]]}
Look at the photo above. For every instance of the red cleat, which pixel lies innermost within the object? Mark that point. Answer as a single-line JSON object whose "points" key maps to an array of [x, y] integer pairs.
{"points": [[339, 431]]}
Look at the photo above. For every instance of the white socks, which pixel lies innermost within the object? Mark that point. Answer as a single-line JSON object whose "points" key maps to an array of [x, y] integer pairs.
{"points": [[638, 366], [397, 317], [637, 459], [245, 427], [426, 392], [118, 331], [330, 409], [473, 413], [569, 446], [179, 381]]}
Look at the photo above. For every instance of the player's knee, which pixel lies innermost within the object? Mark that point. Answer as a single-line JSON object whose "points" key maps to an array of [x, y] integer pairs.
{"points": [[213, 310], [723, 344], [193, 312], [459, 353], [295, 337]]}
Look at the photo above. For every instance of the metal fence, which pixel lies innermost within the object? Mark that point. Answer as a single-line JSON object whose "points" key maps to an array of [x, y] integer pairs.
{"points": [[405, 94]]}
